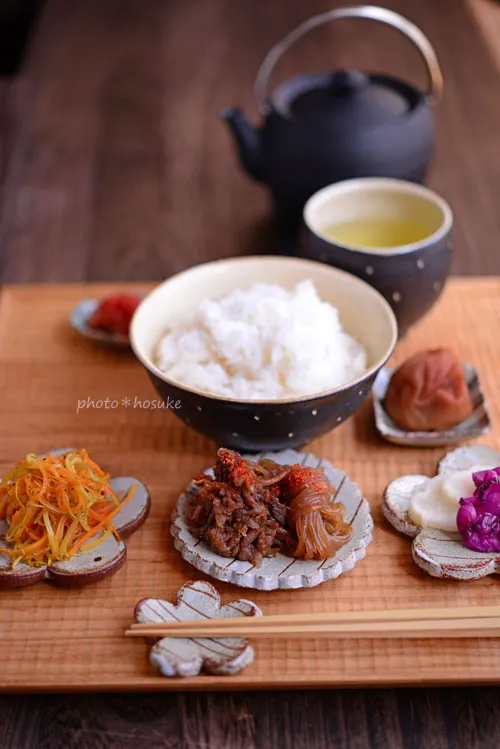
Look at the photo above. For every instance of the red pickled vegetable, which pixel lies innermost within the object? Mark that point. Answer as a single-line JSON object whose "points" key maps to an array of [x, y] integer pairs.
{"points": [[115, 313]]}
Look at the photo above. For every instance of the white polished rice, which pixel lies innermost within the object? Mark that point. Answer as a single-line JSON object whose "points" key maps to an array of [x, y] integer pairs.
{"points": [[262, 342]]}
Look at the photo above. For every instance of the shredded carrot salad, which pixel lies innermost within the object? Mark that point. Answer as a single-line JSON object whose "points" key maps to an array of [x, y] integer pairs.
{"points": [[55, 505]]}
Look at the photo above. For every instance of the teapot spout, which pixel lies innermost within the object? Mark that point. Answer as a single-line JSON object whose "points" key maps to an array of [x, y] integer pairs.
{"points": [[248, 142]]}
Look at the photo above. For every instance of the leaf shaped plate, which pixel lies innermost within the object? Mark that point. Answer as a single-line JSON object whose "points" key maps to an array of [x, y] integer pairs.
{"points": [[475, 425]]}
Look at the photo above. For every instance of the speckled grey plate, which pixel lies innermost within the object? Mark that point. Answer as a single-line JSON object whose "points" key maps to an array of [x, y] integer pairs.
{"points": [[477, 424], [79, 321], [282, 571], [441, 553]]}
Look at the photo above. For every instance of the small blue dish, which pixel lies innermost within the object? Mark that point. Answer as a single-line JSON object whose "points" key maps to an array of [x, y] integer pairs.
{"points": [[79, 321]]}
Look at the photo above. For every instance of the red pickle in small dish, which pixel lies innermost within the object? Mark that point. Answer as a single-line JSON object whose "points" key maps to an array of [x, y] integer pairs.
{"points": [[114, 314], [429, 392]]}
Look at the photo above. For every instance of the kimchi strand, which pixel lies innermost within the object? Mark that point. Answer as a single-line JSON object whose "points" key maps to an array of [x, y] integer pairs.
{"points": [[319, 525]]}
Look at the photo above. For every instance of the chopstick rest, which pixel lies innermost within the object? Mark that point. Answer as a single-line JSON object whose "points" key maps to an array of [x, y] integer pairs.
{"points": [[197, 601]]}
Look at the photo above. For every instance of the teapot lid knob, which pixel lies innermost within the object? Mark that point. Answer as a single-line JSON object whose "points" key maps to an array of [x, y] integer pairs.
{"points": [[348, 81]]}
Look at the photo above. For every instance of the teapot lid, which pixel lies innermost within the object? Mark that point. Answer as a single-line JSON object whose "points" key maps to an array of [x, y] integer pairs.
{"points": [[344, 99]]}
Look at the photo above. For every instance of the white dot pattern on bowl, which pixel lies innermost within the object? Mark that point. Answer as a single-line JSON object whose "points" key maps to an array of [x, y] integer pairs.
{"points": [[314, 412], [369, 270], [199, 408], [420, 264], [257, 418], [290, 434], [235, 434], [360, 392], [339, 418], [396, 296]]}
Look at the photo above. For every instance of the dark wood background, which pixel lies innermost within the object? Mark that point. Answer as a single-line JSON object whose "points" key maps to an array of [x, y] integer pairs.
{"points": [[115, 166]]}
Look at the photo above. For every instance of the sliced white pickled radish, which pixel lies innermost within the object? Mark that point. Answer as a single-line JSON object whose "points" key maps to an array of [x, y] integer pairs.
{"points": [[460, 484], [435, 504], [429, 507]]}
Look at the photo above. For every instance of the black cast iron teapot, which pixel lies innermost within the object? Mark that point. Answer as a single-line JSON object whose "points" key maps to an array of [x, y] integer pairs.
{"points": [[321, 128]]}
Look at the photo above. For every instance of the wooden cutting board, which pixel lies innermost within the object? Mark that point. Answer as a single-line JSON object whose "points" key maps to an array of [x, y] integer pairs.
{"points": [[56, 639]]}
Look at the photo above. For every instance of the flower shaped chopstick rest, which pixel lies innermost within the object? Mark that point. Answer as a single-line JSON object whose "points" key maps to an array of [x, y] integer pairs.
{"points": [[187, 657], [441, 553]]}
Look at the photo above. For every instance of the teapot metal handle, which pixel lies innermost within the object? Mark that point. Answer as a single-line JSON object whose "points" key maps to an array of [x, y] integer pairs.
{"points": [[372, 12]]}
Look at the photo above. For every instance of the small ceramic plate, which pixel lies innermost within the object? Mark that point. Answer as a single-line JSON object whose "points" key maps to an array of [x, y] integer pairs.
{"points": [[441, 553], [282, 571], [477, 424], [88, 566], [187, 657], [79, 321]]}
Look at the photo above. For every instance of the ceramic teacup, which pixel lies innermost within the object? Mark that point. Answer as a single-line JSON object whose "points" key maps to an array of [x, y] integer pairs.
{"points": [[410, 276]]}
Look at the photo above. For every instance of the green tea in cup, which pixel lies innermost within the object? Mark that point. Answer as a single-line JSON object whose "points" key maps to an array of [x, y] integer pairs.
{"points": [[377, 231]]}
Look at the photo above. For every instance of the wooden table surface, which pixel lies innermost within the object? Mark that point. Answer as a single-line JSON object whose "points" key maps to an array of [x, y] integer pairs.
{"points": [[115, 166]]}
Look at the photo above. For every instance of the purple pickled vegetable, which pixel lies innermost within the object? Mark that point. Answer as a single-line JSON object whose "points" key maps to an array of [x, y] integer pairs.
{"points": [[478, 519], [489, 474]]}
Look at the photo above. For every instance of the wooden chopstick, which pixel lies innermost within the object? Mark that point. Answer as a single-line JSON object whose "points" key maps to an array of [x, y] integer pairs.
{"points": [[488, 626], [338, 617]]}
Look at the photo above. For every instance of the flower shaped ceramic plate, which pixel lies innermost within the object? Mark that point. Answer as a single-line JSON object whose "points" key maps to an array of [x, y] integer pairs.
{"points": [[477, 424], [86, 566], [282, 571], [441, 553], [187, 657]]}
